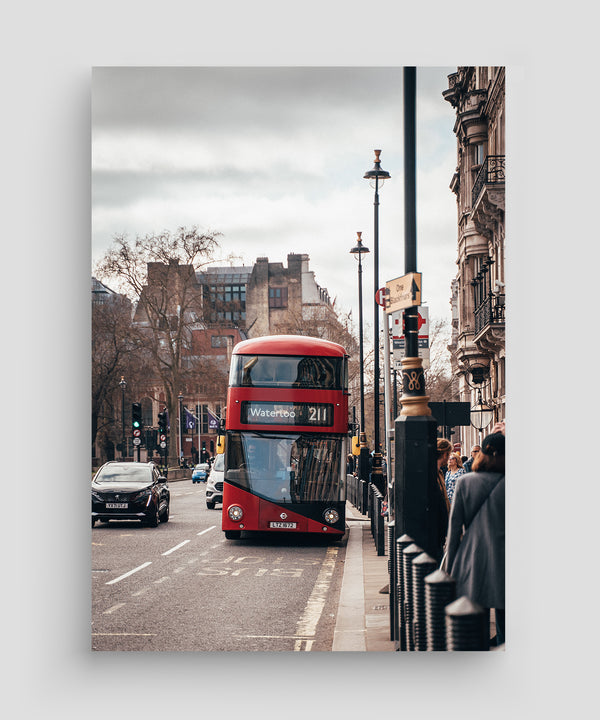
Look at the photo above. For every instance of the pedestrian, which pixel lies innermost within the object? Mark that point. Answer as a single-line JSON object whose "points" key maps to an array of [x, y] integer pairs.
{"points": [[350, 465], [468, 463], [439, 503], [454, 471], [475, 547]]}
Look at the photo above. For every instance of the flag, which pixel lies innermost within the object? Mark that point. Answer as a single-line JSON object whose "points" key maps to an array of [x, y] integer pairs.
{"points": [[190, 419], [213, 421]]}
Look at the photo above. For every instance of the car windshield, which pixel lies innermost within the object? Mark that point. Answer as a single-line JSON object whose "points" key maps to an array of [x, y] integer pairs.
{"points": [[202, 466], [124, 473], [219, 464]]}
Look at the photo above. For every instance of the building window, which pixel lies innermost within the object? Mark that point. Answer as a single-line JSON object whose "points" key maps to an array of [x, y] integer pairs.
{"points": [[220, 341], [478, 154], [278, 297]]}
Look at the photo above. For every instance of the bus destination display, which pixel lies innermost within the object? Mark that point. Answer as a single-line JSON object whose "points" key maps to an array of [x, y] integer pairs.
{"points": [[286, 413]]}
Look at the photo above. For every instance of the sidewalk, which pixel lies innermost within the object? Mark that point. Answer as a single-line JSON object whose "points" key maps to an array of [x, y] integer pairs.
{"points": [[363, 622]]}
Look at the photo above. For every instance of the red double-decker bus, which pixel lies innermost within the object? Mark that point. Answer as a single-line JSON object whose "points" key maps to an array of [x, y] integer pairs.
{"points": [[286, 437]]}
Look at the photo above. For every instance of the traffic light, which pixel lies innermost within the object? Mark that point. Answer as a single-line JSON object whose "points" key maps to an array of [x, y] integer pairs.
{"points": [[162, 422], [136, 416]]}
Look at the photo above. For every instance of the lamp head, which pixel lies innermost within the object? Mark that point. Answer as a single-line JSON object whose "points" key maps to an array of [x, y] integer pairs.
{"points": [[359, 249], [377, 175]]}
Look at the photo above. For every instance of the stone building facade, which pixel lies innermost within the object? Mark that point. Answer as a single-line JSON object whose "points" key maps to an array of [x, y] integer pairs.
{"points": [[283, 299], [478, 345]]}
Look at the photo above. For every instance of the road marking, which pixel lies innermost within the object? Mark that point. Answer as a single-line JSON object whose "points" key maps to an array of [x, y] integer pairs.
{"points": [[181, 544], [127, 574], [123, 634], [212, 527], [113, 608], [307, 625]]}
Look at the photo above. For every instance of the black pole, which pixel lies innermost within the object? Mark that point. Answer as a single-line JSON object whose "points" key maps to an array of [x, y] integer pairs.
{"points": [[123, 385], [360, 342], [411, 315], [377, 455], [415, 480]]}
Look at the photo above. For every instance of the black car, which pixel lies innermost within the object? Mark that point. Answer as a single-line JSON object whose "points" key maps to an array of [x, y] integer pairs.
{"points": [[130, 491]]}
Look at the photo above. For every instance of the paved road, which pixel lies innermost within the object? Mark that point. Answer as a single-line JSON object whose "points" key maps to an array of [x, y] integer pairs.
{"points": [[183, 587]]}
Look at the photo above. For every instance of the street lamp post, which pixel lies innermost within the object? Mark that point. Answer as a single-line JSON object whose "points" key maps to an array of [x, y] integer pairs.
{"points": [[377, 176], [122, 385], [363, 464], [180, 398]]}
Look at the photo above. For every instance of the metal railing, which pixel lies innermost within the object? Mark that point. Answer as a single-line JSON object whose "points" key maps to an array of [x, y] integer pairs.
{"points": [[491, 173], [490, 311]]}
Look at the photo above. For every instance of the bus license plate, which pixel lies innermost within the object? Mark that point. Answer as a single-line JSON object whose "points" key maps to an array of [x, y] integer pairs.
{"points": [[284, 525], [116, 506]]}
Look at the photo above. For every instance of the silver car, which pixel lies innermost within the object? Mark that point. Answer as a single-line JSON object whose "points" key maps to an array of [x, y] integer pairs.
{"points": [[214, 484]]}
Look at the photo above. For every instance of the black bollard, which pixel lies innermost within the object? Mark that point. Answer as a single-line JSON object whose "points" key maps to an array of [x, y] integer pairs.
{"points": [[401, 543], [466, 623], [440, 590], [408, 555], [393, 596], [422, 566]]}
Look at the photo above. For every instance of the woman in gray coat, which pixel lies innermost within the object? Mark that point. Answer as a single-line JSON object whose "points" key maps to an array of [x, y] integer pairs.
{"points": [[476, 531]]}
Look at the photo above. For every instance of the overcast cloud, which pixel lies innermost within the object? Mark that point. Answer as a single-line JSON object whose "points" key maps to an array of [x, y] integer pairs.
{"points": [[274, 158]]}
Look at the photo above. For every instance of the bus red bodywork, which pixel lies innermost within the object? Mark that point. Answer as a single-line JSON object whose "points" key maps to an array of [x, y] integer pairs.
{"points": [[286, 434]]}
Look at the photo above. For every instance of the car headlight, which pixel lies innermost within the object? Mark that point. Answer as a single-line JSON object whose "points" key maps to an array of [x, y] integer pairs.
{"points": [[143, 494], [97, 496], [235, 513], [331, 515]]}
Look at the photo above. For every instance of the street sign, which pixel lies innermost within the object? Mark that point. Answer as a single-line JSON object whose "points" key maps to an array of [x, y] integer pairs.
{"points": [[380, 297], [163, 438], [398, 345], [136, 433], [163, 444], [137, 441], [403, 292]]}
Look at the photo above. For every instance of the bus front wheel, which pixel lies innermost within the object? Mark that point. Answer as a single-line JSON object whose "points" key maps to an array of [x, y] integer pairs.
{"points": [[233, 534]]}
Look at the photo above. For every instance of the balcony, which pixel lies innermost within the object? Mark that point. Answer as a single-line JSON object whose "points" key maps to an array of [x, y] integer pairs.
{"points": [[489, 322], [491, 173]]}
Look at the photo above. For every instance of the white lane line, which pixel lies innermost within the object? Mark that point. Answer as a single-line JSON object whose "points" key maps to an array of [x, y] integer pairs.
{"points": [[307, 625], [127, 574], [113, 609], [212, 527], [181, 544]]}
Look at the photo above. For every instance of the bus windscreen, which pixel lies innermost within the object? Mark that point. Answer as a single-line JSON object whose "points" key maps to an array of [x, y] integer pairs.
{"points": [[286, 468]]}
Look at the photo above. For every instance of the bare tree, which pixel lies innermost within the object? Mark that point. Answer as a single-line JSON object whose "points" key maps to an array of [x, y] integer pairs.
{"points": [[158, 272]]}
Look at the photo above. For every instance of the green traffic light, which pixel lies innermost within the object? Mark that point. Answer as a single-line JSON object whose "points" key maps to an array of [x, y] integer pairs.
{"points": [[136, 424]]}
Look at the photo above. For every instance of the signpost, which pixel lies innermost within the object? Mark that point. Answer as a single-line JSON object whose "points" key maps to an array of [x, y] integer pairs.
{"points": [[403, 292]]}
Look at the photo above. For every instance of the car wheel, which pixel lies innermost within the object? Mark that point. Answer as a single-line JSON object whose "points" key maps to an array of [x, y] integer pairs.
{"points": [[210, 505], [154, 519], [233, 534], [165, 516]]}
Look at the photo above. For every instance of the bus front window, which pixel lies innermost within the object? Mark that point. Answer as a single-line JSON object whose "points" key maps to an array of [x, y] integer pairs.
{"points": [[286, 468]]}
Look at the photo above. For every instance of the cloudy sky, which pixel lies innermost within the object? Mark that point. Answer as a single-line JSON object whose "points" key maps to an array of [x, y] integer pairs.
{"points": [[274, 158]]}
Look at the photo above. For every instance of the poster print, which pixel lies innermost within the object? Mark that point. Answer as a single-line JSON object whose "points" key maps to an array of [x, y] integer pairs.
{"points": [[225, 206]]}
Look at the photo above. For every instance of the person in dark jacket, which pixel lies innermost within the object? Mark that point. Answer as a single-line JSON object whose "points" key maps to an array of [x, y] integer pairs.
{"points": [[467, 464], [476, 529]]}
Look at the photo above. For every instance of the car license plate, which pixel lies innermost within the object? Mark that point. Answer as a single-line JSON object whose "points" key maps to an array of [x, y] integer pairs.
{"points": [[116, 506], [285, 525]]}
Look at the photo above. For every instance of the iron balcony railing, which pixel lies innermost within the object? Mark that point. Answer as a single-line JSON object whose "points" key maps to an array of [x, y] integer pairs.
{"points": [[489, 312], [490, 173]]}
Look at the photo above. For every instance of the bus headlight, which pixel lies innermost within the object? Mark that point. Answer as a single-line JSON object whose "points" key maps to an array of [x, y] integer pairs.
{"points": [[235, 513], [331, 515]]}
